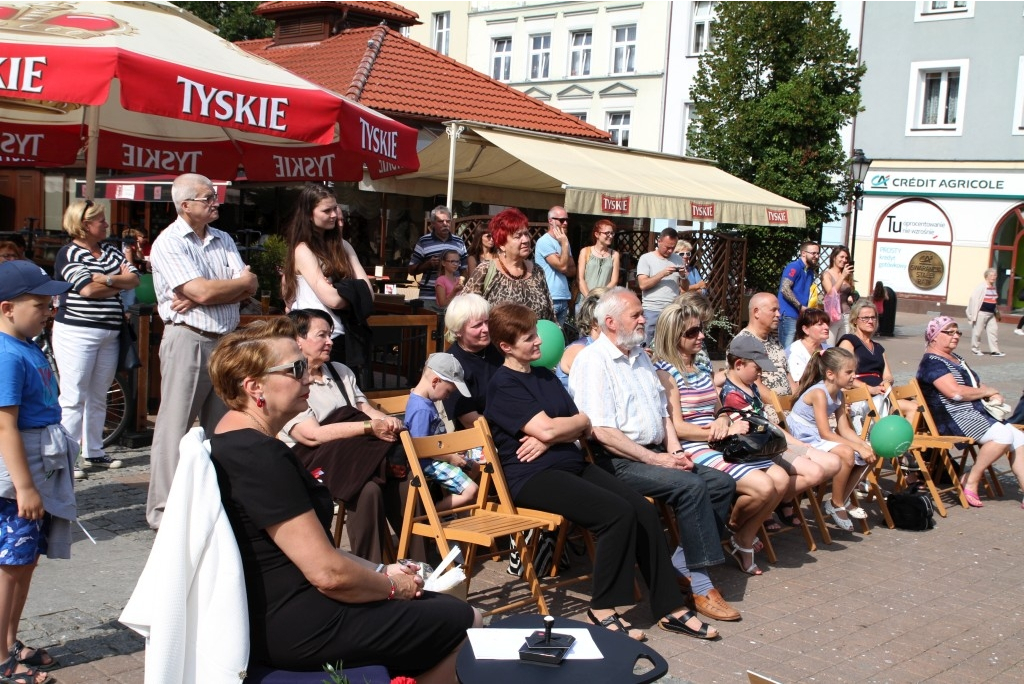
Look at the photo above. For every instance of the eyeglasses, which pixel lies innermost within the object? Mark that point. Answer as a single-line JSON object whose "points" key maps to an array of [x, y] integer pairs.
{"points": [[867, 318], [88, 204], [685, 254], [692, 332], [560, 219], [296, 369], [606, 233], [208, 200], [955, 332], [811, 254]]}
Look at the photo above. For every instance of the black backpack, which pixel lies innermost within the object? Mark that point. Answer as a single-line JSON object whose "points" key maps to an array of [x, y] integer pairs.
{"points": [[911, 510]]}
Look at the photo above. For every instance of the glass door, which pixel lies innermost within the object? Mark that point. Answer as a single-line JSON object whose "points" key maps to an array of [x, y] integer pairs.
{"points": [[1008, 260]]}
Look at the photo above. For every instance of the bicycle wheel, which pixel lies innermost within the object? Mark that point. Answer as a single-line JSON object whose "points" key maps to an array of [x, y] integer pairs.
{"points": [[117, 413]]}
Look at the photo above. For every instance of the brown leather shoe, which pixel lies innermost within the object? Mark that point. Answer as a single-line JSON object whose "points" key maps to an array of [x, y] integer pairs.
{"points": [[714, 606]]}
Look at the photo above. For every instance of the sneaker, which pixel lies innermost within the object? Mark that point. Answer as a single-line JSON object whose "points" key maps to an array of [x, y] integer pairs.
{"points": [[1018, 331], [80, 474], [998, 354], [104, 461], [978, 352]]}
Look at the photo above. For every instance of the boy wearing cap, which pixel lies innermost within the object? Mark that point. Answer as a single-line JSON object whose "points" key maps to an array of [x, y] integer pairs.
{"points": [[37, 499], [441, 375]]}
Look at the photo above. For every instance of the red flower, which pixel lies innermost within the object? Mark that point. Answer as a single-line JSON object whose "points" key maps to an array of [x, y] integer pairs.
{"points": [[403, 679]]}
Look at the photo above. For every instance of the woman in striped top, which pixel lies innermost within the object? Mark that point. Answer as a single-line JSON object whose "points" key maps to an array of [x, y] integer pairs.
{"points": [[693, 402], [954, 393], [87, 326]]}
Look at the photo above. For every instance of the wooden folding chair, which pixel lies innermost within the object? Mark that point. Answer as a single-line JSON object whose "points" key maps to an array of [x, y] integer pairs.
{"points": [[477, 524], [862, 394], [780, 408]]}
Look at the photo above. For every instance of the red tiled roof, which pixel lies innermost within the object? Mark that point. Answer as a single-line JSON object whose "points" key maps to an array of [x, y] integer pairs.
{"points": [[408, 79], [385, 10]]}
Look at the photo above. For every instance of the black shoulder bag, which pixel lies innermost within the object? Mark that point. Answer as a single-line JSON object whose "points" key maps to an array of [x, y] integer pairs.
{"points": [[763, 440]]}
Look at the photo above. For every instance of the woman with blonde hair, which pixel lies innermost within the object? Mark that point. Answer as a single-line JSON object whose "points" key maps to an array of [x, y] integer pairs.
{"points": [[309, 603], [87, 327]]}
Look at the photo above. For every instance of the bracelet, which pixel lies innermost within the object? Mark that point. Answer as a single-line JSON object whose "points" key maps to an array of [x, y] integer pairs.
{"points": [[381, 568], [367, 427], [394, 588]]}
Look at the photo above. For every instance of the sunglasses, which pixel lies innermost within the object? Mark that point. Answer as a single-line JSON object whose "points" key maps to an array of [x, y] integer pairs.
{"points": [[560, 219], [208, 200], [685, 254], [692, 332], [296, 369], [88, 204]]}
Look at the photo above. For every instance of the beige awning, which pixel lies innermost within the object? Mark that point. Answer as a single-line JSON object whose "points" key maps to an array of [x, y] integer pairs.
{"points": [[504, 166]]}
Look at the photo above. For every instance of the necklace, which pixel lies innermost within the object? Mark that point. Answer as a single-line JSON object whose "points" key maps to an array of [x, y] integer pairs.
{"points": [[260, 426], [504, 268]]}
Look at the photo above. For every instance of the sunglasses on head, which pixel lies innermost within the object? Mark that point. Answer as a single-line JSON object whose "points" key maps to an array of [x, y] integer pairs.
{"points": [[85, 210], [296, 369], [692, 332]]}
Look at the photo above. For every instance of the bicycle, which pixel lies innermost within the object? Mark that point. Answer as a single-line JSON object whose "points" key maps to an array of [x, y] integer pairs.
{"points": [[117, 400]]}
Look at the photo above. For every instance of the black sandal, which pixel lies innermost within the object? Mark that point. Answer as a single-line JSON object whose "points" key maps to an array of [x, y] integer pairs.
{"points": [[792, 519], [616, 620], [30, 676], [38, 658], [678, 625]]}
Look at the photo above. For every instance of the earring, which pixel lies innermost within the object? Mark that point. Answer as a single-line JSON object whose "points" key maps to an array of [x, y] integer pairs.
{"points": [[261, 402]]}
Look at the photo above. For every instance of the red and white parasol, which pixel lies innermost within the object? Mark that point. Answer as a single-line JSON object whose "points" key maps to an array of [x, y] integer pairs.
{"points": [[154, 90]]}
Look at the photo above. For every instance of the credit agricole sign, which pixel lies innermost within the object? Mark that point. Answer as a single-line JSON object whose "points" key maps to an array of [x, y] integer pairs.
{"points": [[979, 184]]}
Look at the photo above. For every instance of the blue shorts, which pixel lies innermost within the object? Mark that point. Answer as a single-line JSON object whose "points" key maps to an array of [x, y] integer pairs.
{"points": [[21, 540], [452, 478]]}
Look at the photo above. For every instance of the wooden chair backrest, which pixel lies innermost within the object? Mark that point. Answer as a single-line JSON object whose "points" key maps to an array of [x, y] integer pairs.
{"points": [[770, 397], [925, 422], [862, 394], [393, 405]]}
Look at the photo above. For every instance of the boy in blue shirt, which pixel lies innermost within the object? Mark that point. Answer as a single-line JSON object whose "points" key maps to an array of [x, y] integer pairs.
{"points": [[442, 374], [37, 500]]}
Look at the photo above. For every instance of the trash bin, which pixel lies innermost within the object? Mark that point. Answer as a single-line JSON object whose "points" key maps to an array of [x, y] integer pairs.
{"points": [[887, 320]]}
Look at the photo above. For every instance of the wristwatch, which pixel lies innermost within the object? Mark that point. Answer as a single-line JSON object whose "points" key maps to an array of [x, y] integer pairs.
{"points": [[110, 282]]}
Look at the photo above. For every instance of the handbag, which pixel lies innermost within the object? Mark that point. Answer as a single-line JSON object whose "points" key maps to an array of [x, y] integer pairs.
{"points": [[1000, 411], [763, 440], [833, 306], [128, 350]]}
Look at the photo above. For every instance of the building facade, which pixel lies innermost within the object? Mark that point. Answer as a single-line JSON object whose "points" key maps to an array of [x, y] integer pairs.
{"points": [[944, 122]]}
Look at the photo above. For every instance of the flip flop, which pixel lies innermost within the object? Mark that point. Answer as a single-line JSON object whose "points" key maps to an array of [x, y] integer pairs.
{"points": [[38, 658], [672, 624]]}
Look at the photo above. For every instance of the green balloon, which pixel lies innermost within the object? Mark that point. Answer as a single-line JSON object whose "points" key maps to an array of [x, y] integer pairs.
{"points": [[552, 344], [890, 437]]}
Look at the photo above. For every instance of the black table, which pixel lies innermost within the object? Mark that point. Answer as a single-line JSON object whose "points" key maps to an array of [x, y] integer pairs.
{"points": [[620, 654]]}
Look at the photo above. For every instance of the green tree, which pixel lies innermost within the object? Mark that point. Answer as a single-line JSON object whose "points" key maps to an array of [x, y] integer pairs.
{"points": [[233, 20], [772, 95]]}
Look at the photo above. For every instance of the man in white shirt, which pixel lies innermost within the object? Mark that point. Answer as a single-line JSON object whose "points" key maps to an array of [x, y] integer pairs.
{"points": [[615, 384], [657, 274], [554, 257], [200, 279]]}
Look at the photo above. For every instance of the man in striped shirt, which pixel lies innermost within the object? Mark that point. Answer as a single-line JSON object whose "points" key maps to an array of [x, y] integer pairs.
{"points": [[200, 280], [426, 256]]}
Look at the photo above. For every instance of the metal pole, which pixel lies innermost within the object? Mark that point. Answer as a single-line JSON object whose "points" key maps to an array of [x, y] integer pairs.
{"points": [[92, 118], [454, 131], [858, 192]]}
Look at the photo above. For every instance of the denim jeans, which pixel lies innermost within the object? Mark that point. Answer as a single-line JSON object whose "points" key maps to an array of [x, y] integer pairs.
{"points": [[651, 318], [700, 498], [561, 311], [787, 331]]}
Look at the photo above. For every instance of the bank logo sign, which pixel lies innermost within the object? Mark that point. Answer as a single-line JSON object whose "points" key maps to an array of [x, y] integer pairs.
{"points": [[981, 184]]}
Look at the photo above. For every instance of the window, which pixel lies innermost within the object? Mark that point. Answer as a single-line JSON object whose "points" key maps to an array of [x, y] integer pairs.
{"points": [[579, 53], [442, 31], [540, 56], [501, 61], [700, 35], [624, 42], [582, 116], [406, 31], [618, 126], [938, 91], [691, 123], [944, 9]]}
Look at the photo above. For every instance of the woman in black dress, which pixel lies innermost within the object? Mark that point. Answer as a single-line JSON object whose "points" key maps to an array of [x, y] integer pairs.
{"points": [[309, 603], [525, 402]]}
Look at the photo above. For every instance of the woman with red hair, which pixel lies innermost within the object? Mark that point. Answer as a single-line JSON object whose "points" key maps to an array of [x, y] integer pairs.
{"points": [[511, 276]]}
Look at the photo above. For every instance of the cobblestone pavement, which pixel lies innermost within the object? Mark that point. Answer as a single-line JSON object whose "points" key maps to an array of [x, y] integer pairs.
{"points": [[944, 605]]}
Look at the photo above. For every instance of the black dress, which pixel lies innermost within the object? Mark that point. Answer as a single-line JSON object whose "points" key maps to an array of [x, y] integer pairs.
{"points": [[291, 624]]}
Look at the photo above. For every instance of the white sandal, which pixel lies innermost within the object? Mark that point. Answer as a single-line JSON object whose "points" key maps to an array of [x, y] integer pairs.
{"points": [[833, 511], [737, 553]]}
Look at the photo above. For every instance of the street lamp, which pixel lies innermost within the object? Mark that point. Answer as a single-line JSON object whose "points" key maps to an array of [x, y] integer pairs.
{"points": [[859, 165]]}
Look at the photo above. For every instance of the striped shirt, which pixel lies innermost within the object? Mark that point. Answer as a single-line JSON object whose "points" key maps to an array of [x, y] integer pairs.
{"points": [[428, 246], [620, 391], [76, 265], [179, 256], [953, 417]]}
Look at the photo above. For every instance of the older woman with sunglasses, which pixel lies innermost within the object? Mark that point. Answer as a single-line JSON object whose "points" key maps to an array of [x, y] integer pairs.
{"points": [[345, 440], [511, 276], [696, 282], [87, 328], [693, 405], [309, 603], [954, 393]]}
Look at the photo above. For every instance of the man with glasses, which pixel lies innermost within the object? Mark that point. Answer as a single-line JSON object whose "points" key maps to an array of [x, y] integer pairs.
{"points": [[795, 289], [657, 274], [200, 279], [554, 256], [426, 256]]}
